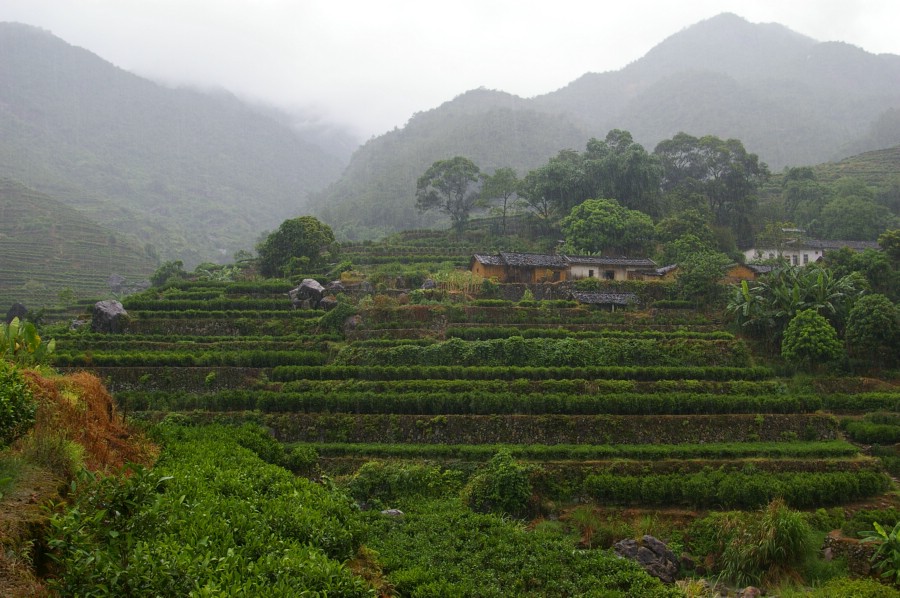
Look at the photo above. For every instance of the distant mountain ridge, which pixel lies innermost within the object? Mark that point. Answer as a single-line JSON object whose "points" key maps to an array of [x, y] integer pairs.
{"points": [[790, 99], [197, 175]]}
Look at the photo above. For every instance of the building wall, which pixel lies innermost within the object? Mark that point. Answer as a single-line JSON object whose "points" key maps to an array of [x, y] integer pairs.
{"points": [[486, 271], [738, 273], [796, 257], [579, 271]]}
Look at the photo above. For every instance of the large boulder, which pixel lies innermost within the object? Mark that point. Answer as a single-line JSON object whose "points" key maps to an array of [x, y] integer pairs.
{"points": [[16, 311], [335, 287], [109, 316], [307, 295], [651, 554]]}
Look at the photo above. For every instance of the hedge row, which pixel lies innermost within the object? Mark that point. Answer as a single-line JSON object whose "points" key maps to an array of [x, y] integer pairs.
{"points": [[189, 314], [524, 386], [496, 332], [470, 402], [567, 352], [339, 372], [207, 305], [587, 452], [537, 429], [735, 490], [183, 359], [285, 324]]}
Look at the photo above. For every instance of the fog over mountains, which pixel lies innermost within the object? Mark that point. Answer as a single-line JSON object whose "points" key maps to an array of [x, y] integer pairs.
{"points": [[200, 175], [790, 99]]}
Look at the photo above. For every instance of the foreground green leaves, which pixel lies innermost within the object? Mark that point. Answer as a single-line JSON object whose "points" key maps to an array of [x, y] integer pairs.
{"points": [[211, 518], [441, 549]]}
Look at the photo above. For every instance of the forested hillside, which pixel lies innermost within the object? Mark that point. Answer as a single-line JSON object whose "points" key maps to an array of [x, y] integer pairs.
{"points": [[196, 175], [790, 99]]}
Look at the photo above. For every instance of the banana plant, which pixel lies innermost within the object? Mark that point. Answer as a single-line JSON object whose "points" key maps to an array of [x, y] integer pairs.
{"points": [[20, 342]]}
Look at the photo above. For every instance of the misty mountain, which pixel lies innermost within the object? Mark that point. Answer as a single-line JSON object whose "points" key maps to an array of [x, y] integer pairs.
{"points": [[196, 175], [790, 99]]}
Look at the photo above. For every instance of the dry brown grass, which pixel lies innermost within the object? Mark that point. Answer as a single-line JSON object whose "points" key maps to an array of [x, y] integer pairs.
{"points": [[72, 409], [79, 407]]}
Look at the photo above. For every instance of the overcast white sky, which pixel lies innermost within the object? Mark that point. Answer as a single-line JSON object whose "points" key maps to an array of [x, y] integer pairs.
{"points": [[371, 64]]}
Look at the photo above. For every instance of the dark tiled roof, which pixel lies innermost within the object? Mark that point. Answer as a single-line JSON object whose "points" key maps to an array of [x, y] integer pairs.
{"points": [[604, 298], [827, 244], [591, 260], [488, 260], [534, 260]]}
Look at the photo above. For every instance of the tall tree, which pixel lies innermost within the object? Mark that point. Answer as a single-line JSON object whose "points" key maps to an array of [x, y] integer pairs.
{"points": [[620, 168], [502, 186], [722, 170], [603, 225], [449, 186]]}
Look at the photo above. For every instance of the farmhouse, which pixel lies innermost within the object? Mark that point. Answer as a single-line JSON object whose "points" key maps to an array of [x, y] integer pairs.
{"points": [[521, 267], [609, 268], [801, 253], [537, 267]]}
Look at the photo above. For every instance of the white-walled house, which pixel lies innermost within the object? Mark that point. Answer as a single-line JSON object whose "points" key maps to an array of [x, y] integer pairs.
{"points": [[801, 253], [608, 268]]}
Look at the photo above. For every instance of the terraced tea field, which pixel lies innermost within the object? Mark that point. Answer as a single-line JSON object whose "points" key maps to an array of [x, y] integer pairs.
{"points": [[659, 408]]}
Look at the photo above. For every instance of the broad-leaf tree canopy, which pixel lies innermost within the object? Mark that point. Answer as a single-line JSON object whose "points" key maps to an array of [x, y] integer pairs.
{"points": [[721, 170], [298, 243], [448, 185], [604, 225]]}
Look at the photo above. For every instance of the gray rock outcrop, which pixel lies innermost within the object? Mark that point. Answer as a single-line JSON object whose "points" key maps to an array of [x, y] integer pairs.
{"points": [[651, 554], [307, 295], [109, 316], [16, 311]]}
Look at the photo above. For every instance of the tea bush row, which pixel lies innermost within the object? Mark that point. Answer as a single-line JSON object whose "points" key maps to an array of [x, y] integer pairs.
{"points": [[649, 373], [498, 332], [200, 524], [183, 359], [256, 314], [442, 548], [535, 429], [470, 402], [735, 490], [531, 386], [207, 305], [588, 452], [516, 351]]}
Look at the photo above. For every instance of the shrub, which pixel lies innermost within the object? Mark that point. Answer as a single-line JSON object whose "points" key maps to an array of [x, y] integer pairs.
{"points": [[17, 406], [386, 482], [501, 487], [770, 546], [810, 340]]}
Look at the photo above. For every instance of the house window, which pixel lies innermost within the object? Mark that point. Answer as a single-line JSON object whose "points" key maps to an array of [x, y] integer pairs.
{"points": [[609, 275], [590, 273], [805, 258], [794, 260]]}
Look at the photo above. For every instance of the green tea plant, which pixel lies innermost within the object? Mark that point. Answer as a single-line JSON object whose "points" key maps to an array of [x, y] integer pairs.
{"points": [[17, 405], [501, 487]]}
